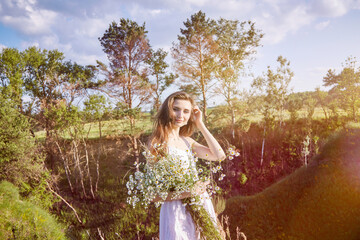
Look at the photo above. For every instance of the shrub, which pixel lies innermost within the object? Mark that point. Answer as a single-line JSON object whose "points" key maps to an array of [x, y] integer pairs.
{"points": [[21, 219]]}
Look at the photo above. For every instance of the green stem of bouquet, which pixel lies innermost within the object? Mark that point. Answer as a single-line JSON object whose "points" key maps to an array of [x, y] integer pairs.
{"points": [[202, 220]]}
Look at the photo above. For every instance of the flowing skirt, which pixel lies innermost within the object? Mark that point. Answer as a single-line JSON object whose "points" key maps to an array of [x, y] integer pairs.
{"points": [[176, 223]]}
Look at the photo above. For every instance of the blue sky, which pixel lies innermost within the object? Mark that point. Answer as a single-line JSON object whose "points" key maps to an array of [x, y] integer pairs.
{"points": [[314, 35]]}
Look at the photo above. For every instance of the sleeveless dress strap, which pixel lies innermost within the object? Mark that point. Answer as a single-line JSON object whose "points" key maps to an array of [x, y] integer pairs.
{"points": [[187, 143]]}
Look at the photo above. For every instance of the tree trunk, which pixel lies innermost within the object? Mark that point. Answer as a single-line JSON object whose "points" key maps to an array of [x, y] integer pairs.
{"points": [[233, 123], [262, 148], [204, 105], [77, 165], [66, 167], [88, 169], [136, 151], [99, 129]]}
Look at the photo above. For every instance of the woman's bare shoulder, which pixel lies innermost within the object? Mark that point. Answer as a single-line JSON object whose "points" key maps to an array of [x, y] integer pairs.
{"points": [[190, 140]]}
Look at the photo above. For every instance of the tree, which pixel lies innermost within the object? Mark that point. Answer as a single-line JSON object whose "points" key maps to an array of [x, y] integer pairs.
{"points": [[274, 87], [194, 54], [42, 81], [95, 108], [11, 73], [50, 82], [346, 86], [126, 78], [310, 105], [162, 80], [294, 104], [236, 44], [321, 98], [76, 80]]}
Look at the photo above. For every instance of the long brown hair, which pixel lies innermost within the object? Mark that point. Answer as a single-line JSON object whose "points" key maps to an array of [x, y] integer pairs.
{"points": [[165, 119]]}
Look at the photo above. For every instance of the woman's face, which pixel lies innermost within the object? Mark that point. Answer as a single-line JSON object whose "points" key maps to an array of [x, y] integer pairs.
{"points": [[182, 112]]}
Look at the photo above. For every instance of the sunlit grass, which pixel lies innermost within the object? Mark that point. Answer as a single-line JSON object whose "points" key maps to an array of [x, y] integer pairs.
{"points": [[109, 128], [145, 123]]}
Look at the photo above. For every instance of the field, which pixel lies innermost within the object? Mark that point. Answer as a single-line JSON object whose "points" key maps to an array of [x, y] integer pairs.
{"points": [[113, 128]]}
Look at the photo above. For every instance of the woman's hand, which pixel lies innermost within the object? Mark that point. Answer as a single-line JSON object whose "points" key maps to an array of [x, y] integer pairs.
{"points": [[199, 188], [197, 116]]}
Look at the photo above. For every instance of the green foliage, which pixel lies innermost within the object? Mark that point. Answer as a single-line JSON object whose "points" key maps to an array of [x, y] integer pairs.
{"points": [[194, 54], [11, 73], [202, 220], [128, 50], [21, 219], [20, 161], [219, 203], [15, 137], [274, 86], [162, 80], [318, 201], [134, 223], [294, 105], [237, 42], [346, 87]]}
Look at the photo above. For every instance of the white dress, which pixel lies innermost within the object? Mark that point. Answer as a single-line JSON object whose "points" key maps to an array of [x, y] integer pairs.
{"points": [[175, 222]]}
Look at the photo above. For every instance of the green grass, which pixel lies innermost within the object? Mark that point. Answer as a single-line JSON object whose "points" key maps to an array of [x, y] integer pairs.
{"points": [[318, 201], [109, 128], [144, 124], [21, 219]]}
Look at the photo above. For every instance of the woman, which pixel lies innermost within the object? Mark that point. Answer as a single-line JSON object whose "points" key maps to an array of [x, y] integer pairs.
{"points": [[174, 124]]}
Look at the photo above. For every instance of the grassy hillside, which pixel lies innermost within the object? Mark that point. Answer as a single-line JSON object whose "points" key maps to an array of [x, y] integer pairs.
{"points": [[318, 201], [21, 219]]}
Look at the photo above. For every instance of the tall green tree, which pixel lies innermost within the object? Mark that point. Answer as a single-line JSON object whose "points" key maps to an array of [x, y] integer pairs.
{"points": [[50, 82], [237, 43], [95, 108], [194, 55], [126, 77], [274, 86], [346, 86], [162, 80], [11, 75], [42, 83], [76, 80], [322, 100]]}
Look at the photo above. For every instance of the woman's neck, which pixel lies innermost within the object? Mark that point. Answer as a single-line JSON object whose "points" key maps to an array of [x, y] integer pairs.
{"points": [[175, 133]]}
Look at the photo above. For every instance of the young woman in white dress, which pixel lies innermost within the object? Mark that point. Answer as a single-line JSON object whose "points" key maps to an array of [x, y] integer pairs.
{"points": [[177, 118]]}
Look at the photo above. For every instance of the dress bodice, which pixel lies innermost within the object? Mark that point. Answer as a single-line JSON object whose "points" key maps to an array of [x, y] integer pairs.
{"points": [[185, 157]]}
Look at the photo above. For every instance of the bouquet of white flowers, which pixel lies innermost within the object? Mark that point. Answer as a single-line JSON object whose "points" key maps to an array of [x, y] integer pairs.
{"points": [[159, 176], [163, 174]]}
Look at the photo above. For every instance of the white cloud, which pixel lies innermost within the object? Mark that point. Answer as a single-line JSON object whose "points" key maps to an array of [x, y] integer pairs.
{"points": [[277, 22], [331, 8], [138, 11], [24, 16], [322, 25], [73, 27]]}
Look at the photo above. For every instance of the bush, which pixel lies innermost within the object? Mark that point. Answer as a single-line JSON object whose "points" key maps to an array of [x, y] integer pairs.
{"points": [[21, 219]]}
